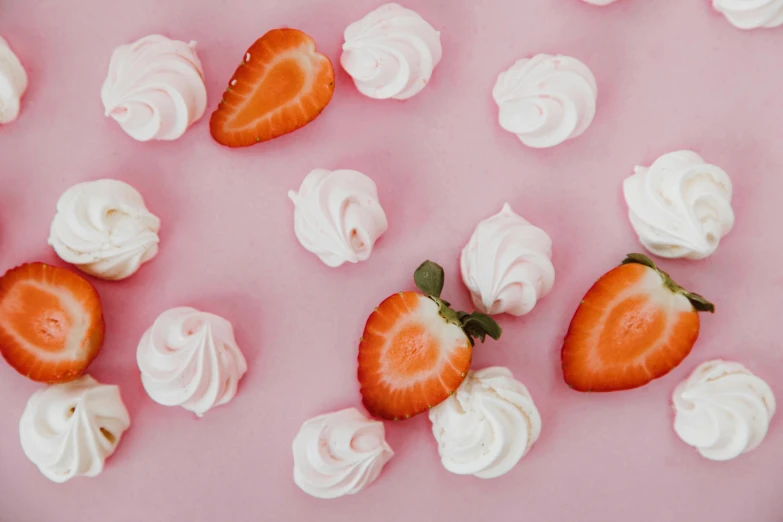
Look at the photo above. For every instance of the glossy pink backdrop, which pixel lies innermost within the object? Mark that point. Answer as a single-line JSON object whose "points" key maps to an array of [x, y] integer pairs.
{"points": [[671, 73]]}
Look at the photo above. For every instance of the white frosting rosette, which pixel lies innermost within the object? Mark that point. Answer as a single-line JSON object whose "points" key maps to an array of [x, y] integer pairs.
{"points": [[487, 426], [70, 429], [391, 52], [546, 100], [507, 264], [339, 453], [722, 410], [680, 206], [104, 228]]}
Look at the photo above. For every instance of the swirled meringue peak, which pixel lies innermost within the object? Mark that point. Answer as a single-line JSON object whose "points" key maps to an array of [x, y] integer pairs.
{"points": [[13, 83], [507, 264], [339, 453], [751, 14], [680, 206], [190, 358], [70, 429], [104, 229], [391, 52], [722, 410], [487, 426], [546, 100], [155, 88], [337, 215]]}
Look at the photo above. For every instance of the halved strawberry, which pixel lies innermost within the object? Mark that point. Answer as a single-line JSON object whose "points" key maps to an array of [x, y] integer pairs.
{"points": [[51, 324], [634, 325], [282, 84], [416, 350]]}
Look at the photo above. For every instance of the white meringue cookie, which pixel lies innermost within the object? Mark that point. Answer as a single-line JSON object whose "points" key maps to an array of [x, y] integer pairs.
{"points": [[546, 100], [190, 359], [507, 264], [70, 429], [339, 453], [337, 215], [13, 83], [723, 410], [104, 229], [751, 14], [487, 426], [391, 52], [680, 206], [599, 2], [155, 88]]}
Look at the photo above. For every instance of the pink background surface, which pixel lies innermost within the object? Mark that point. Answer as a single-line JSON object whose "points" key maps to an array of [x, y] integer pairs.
{"points": [[671, 73]]}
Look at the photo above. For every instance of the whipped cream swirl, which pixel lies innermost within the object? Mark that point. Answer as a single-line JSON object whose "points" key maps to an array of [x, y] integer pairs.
{"points": [[723, 410], [507, 264], [70, 429], [337, 215], [751, 14], [190, 358], [13, 83], [155, 88], [680, 206], [391, 52], [339, 453], [487, 425], [104, 229], [546, 100]]}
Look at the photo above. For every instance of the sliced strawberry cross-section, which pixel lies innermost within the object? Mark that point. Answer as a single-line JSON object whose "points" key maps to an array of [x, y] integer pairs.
{"points": [[410, 359], [416, 350], [51, 323], [634, 325], [281, 85]]}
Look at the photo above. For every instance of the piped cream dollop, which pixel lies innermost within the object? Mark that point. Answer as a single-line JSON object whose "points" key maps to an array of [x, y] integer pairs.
{"points": [[487, 426], [155, 88], [339, 453], [391, 52], [191, 359], [546, 100], [104, 228], [507, 264], [723, 410], [70, 429], [680, 206], [13, 83], [751, 14], [337, 215]]}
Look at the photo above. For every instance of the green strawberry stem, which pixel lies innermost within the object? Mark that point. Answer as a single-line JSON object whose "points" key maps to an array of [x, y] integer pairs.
{"points": [[429, 278], [700, 304]]}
